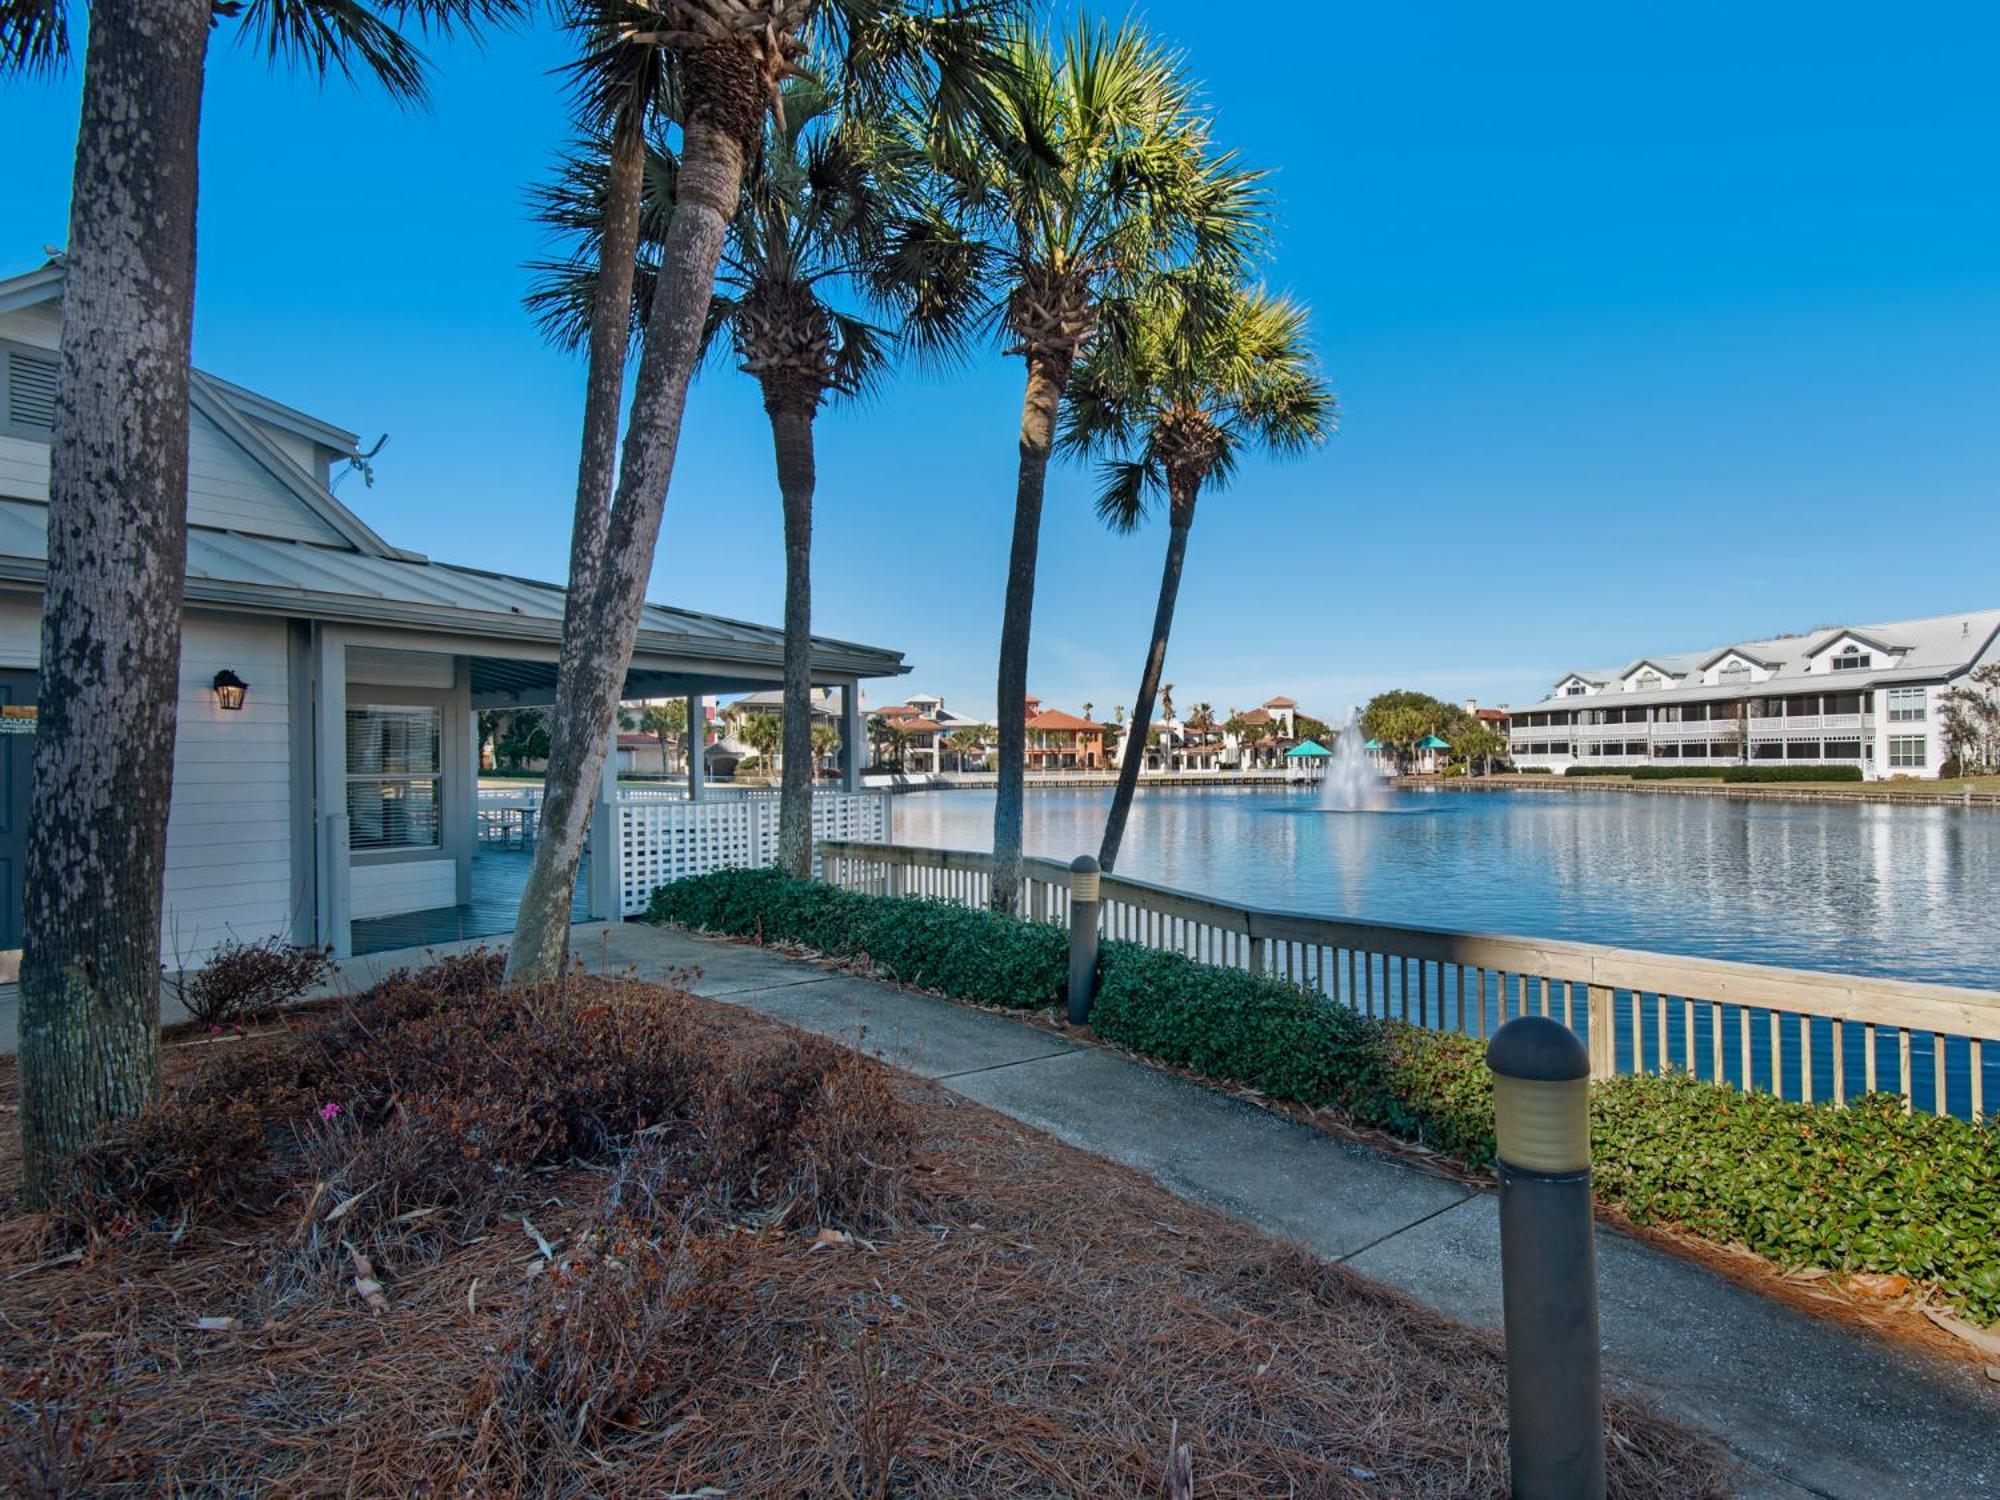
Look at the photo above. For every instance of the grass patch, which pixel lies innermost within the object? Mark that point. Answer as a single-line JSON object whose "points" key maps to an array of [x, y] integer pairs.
{"points": [[715, 1257]]}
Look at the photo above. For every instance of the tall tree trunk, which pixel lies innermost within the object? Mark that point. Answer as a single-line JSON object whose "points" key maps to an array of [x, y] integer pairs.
{"points": [[598, 638], [1182, 521], [117, 560], [604, 382], [1047, 375], [792, 410]]}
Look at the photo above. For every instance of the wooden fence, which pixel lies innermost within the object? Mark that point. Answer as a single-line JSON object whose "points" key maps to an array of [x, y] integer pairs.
{"points": [[1805, 1035]]}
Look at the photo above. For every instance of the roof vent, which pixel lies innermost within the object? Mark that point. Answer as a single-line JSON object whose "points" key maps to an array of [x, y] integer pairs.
{"points": [[31, 389]]}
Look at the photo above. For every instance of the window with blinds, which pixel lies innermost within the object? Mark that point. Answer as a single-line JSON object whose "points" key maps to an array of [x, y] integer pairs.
{"points": [[394, 785], [29, 378]]}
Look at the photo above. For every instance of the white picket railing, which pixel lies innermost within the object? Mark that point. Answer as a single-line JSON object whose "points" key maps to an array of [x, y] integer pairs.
{"points": [[661, 840], [1794, 1032]]}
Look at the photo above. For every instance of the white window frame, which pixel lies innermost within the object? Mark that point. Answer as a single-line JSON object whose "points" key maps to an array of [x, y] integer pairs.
{"points": [[1905, 714], [406, 779], [1902, 755]]}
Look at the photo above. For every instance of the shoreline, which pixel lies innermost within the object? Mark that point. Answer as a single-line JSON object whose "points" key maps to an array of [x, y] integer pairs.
{"points": [[1862, 792]]}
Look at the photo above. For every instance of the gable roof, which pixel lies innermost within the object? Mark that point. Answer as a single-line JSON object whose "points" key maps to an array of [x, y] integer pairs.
{"points": [[236, 411]]}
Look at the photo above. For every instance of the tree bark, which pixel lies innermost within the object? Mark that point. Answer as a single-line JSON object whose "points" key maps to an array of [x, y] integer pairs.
{"points": [[604, 383], [1182, 521], [117, 560], [598, 638], [792, 411], [1047, 375]]}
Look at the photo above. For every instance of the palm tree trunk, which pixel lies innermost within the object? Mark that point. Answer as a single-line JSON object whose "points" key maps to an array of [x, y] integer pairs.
{"points": [[604, 385], [1149, 677], [792, 413], [1047, 375], [598, 638], [117, 559]]}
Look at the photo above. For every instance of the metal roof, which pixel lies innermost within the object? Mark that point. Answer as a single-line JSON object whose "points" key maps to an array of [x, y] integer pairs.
{"points": [[1925, 650], [229, 570]]}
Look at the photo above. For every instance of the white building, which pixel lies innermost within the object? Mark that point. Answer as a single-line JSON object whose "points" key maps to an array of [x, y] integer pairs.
{"points": [[1851, 695], [339, 793]]}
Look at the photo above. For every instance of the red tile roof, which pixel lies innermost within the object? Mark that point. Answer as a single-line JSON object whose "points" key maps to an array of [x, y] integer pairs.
{"points": [[1055, 718], [1281, 703]]}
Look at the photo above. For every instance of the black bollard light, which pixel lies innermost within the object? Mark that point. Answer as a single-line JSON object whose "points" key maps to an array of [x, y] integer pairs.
{"points": [[1082, 937], [1548, 1260]]}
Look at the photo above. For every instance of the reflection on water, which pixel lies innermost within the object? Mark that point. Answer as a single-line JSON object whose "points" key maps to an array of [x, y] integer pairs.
{"points": [[1860, 888]]}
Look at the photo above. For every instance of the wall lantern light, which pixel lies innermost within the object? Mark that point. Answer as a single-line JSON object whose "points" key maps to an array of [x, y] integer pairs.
{"points": [[229, 689]]}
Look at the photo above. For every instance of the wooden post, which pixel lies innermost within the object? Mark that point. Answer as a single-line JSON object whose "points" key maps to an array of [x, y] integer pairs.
{"points": [[697, 738], [1603, 1033]]}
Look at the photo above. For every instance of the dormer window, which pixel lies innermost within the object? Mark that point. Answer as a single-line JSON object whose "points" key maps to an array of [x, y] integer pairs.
{"points": [[1851, 659], [1733, 672], [1573, 690], [1648, 682]]}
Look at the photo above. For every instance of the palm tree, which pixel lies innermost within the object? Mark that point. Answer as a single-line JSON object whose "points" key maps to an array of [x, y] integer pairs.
{"points": [[824, 190], [825, 741], [764, 734], [1134, 185], [117, 552], [729, 59], [971, 740], [1204, 371]]}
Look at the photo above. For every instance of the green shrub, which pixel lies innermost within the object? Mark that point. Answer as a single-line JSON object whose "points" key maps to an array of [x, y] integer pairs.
{"points": [[973, 954], [1791, 773], [1224, 1023], [1649, 773], [1867, 1187], [1534, 770]]}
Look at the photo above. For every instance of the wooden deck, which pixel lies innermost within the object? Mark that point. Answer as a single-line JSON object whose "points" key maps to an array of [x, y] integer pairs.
{"points": [[497, 878]]}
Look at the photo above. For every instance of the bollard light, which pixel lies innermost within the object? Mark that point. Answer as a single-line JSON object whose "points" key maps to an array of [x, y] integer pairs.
{"points": [[1083, 906], [1548, 1260]]}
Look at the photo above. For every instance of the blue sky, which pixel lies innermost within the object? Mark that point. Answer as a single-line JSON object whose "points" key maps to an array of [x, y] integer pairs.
{"points": [[1653, 326]]}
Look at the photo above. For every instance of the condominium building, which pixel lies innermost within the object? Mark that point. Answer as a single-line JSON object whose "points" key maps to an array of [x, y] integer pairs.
{"points": [[1851, 695]]}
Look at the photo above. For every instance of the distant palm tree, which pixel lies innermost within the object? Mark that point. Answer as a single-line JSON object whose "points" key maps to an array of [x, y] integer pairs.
{"points": [[968, 741], [825, 742], [117, 549], [762, 733], [1205, 370], [1101, 172], [729, 61]]}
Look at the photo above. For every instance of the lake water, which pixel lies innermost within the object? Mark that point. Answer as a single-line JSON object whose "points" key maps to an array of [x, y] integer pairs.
{"points": [[1907, 892]]}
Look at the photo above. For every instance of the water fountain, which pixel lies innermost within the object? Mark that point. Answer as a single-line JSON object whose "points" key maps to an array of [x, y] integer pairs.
{"points": [[1351, 783]]}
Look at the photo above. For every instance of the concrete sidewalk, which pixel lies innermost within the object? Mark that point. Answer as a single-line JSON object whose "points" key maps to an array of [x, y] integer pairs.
{"points": [[1809, 1407]]}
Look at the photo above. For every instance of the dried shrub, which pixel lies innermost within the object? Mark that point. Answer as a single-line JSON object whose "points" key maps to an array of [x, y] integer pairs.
{"points": [[57, 1439], [804, 1133], [615, 1338], [246, 981]]}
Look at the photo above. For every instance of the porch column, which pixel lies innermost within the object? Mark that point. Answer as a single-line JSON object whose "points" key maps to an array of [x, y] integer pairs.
{"points": [[697, 738], [850, 737], [604, 895], [329, 674]]}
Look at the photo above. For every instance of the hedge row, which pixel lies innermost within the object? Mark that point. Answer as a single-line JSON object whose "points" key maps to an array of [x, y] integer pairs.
{"points": [[1647, 773], [1792, 773], [1866, 1188]]}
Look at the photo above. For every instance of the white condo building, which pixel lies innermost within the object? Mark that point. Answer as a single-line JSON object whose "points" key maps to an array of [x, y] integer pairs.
{"points": [[1861, 695]]}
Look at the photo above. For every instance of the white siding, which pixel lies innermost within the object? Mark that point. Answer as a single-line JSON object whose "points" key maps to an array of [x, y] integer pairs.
{"points": [[40, 325], [229, 854], [24, 469], [229, 489], [402, 885]]}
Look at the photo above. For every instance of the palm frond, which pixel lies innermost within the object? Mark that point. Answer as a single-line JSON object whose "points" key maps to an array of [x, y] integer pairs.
{"points": [[34, 36], [1126, 487]]}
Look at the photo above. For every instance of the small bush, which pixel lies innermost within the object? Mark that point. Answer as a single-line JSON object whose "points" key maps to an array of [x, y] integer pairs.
{"points": [[246, 981], [1791, 773], [975, 955]]}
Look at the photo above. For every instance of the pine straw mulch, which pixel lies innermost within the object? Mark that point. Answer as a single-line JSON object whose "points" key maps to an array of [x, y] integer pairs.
{"points": [[1034, 1322]]}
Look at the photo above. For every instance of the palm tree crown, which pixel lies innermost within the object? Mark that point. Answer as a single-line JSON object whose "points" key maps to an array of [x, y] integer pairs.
{"points": [[1199, 371], [1102, 171], [351, 38]]}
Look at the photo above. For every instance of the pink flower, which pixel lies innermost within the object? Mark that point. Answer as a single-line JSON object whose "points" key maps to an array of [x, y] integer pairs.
{"points": [[329, 1112]]}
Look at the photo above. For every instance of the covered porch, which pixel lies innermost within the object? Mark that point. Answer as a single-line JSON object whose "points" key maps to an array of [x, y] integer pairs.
{"points": [[409, 850]]}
